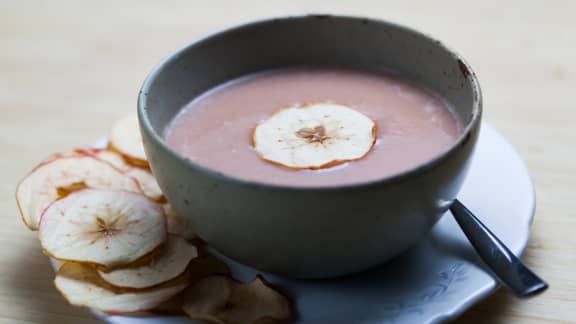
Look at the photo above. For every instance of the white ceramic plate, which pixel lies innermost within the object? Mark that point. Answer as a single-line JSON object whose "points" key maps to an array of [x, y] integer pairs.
{"points": [[436, 280]]}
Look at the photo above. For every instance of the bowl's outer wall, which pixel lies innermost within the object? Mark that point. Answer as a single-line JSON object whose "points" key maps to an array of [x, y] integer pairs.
{"points": [[308, 232]]}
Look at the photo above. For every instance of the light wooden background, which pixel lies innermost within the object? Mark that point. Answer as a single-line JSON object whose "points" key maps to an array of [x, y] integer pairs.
{"points": [[69, 68]]}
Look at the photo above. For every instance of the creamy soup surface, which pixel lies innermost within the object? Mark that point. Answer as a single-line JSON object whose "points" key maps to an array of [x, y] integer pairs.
{"points": [[215, 130]]}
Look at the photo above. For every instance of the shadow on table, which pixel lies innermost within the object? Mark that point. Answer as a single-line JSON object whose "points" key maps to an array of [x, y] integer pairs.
{"points": [[32, 282]]}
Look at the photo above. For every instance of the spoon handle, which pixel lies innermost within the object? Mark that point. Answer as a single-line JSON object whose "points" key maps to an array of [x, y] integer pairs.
{"points": [[503, 263]]}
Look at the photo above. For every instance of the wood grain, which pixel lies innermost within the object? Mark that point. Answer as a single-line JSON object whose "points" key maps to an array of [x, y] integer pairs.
{"points": [[69, 68]]}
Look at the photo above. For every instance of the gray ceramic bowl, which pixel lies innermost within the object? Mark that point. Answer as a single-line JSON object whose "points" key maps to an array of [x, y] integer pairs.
{"points": [[309, 232]]}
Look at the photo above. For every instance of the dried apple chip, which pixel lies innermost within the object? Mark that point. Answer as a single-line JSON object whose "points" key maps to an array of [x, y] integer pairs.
{"points": [[57, 156], [125, 138], [108, 156], [221, 300], [57, 177], [81, 286], [314, 136], [147, 183], [143, 176], [172, 262], [207, 299], [177, 225], [106, 228]]}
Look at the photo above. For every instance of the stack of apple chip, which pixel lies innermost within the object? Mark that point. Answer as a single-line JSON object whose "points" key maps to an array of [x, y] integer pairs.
{"points": [[120, 247]]}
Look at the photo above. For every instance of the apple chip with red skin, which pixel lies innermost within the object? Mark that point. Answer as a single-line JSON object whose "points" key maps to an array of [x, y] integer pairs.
{"points": [[61, 175], [107, 156], [110, 229], [142, 175]]}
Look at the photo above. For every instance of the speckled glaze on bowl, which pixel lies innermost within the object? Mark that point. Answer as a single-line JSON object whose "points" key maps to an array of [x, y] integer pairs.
{"points": [[309, 232]]}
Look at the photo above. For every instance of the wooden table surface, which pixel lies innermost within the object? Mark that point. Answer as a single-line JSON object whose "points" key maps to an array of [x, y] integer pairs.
{"points": [[69, 68]]}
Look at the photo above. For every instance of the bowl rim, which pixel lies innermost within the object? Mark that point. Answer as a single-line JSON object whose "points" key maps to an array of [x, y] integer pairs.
{"points": [[465, 68]]}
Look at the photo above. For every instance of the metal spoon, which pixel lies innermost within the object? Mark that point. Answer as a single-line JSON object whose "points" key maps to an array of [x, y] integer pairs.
{"points": [[503, 263]]}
